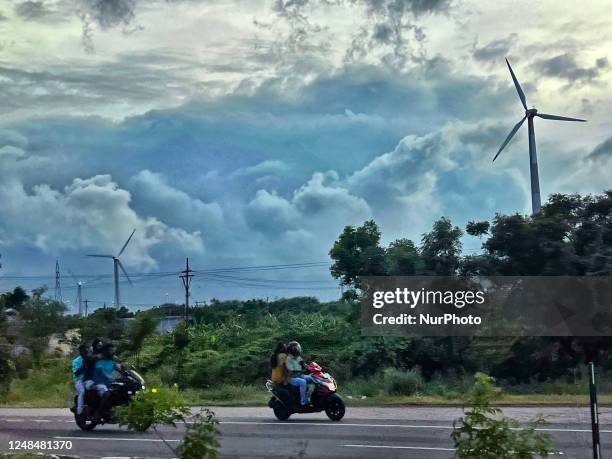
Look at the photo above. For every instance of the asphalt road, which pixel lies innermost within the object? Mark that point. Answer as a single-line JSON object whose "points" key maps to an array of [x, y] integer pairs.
{"points": [[410, 432]]}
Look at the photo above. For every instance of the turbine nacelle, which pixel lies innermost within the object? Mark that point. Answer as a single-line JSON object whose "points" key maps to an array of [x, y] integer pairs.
{"points": [[530, 113]]}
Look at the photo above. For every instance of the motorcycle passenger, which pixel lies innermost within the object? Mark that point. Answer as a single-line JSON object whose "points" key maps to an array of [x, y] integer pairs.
{"points": [[82, 373], [295, 366], [96, 347], [278, 362], [103, 374]]}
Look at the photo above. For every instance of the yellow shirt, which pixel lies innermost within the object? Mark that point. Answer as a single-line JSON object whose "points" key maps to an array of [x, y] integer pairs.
{"points": [[279, 372]]}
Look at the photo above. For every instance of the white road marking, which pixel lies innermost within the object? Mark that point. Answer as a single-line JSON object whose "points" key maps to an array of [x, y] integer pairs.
{"points": [[114, 439], [401, 426], [343, 424], [429, 448], [400, 447]]}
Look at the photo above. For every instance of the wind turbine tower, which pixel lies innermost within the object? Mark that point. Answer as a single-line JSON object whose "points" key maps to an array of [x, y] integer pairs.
{"points": [[116, 266], [530, 114]]}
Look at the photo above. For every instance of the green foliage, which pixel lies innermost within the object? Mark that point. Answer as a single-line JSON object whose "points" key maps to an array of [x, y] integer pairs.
{"points": [[441, 248], [402, 258], [150, 408], [15, 299], [142, 326], [478, 229], [200, 441], [50, 384], [398, 382], [357, 253], [484, 432]]}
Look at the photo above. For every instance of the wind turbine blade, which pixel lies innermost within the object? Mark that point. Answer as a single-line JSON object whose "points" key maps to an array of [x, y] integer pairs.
{"points": [[512, 132], [559, 118], [100, 256], [521, 94], [124, 272], [126, 243]]}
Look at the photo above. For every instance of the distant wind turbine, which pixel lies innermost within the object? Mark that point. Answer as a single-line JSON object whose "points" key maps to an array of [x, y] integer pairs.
{"points": [[533, 159], [116, 265]]}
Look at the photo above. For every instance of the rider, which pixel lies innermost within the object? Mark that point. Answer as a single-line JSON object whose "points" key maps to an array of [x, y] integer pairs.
{"points": [[78, 375], [278, 362], [295, 366], [103, 374]]}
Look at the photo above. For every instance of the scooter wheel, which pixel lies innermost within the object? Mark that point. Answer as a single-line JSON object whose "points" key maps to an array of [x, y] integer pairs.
{"points": [[281, 412], [334, 407], [84, 423]]}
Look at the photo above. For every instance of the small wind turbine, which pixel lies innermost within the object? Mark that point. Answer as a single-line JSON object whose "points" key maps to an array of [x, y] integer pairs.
{"points": [[116, 265], [79, 284], [530, 113]]}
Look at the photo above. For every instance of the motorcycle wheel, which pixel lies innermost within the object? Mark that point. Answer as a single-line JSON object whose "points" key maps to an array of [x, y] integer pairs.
{"points": [[281, 412], [84, 423], [335, 407]]}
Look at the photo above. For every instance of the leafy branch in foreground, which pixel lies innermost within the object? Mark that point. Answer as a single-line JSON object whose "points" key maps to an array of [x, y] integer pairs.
{"points": [[162, 406], [200, 441], [484, 432]]}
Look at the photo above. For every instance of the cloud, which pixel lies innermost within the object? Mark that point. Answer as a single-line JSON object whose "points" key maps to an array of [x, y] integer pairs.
{"points": [[564, 66], [494, 50], [32, 10], [89, 215], [604, 149], [154, 197]]}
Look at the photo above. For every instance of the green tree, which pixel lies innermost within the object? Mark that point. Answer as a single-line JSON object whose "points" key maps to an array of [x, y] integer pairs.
{"points": [[402, 258], [357, 253], [142, 326], [441, 248], [478, 229]]}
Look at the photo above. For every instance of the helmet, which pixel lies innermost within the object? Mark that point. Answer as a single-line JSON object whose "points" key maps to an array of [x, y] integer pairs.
{"points": [[294, 348]]}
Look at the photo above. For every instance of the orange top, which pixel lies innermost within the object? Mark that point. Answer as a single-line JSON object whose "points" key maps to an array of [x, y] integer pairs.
{"points": [[279, 372]]}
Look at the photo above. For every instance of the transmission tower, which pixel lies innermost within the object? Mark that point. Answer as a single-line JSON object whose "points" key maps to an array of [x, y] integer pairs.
{"points": [[58, 284]]}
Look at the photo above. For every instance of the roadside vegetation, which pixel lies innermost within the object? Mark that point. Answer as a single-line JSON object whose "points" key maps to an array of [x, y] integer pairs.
{"points": [[222, 357]]}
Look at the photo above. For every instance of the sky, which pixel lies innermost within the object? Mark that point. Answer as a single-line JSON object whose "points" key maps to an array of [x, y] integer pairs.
{"points": [[249, 133]]}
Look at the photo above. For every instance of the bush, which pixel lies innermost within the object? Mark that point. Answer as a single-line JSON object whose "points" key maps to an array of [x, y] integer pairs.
{"points": [[153, 407], [398, 382], [200, 441], [484, 432]]}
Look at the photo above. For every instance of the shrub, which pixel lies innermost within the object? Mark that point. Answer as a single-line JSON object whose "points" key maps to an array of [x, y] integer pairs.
{"points": [[200, 441], [484, 432], [153, 407], [398, 382]]}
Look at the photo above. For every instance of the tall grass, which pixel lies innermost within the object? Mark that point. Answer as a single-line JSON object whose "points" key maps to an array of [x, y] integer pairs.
{"points": [[47, 386]]}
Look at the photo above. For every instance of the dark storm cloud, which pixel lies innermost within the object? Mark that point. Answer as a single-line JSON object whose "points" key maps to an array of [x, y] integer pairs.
{"points": [[397, 8], [33, 10], [110, 13], [494, 50], [602, 150], [564, 66]]}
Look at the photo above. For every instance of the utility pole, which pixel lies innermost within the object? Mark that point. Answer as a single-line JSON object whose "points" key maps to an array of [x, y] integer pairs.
{"points": [[86, 307], [79, 297], [186, 278], [594, 412], [58, 285]]}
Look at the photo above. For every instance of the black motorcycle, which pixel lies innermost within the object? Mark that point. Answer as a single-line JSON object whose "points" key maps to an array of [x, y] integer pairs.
{"points": [[121, 392], [286, 398]]}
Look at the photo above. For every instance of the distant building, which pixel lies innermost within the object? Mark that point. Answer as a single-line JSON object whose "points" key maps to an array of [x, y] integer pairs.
{"points": [[169, 323]]}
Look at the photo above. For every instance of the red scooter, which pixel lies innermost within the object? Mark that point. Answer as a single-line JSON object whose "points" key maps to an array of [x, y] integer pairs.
{"points": [[286, 398]]}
